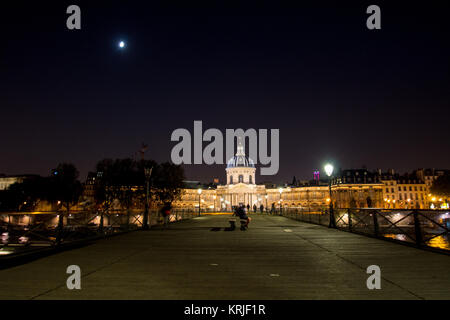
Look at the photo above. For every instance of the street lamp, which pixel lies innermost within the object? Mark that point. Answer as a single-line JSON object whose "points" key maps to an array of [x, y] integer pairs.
{"points": [[266, 196], [280, 190], [148, 174], [329, 171], [214, 198], [199, 191]]}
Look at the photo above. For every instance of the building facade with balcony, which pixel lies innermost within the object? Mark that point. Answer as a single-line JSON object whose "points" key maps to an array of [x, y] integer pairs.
{"points": [[408, 191]]}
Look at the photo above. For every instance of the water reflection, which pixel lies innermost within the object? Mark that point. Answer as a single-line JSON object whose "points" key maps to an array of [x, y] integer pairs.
{"points": [[441, 242], [398, 236]]}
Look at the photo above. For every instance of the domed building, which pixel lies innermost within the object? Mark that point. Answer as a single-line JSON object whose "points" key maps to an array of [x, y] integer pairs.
{"points": [[240, 169], [241, 185], [241, 188]]}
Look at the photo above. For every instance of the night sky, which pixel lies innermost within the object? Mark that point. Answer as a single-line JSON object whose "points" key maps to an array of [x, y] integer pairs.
{"points": [[336, 90]]}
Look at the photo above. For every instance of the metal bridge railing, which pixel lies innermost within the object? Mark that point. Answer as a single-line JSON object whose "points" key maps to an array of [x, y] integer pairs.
{"points": [[422, 228], [24, 231]]}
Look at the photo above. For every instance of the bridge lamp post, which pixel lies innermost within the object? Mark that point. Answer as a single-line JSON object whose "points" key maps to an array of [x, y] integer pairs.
{"points": [[329, 171], [280, 190], [148, 174], [266, 196], [214, 198], [199, 191]]}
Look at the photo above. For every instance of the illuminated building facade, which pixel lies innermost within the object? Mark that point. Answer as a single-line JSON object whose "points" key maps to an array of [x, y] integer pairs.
{"points": [[357, 189], [404, 192], [351, 188]]}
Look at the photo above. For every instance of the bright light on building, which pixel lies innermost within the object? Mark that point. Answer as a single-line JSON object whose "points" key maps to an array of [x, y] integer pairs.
{"points": [[329, 169]]}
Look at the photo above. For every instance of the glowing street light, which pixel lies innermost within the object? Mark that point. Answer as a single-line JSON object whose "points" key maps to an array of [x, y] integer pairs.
{"points": [[199, 191], [266, 196], [280, 190], [329, 171]]}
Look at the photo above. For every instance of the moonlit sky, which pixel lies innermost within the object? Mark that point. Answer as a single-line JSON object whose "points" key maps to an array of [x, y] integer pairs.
{"points": [[336, 90]]}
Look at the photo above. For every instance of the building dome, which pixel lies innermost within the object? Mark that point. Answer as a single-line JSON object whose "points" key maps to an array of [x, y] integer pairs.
{"points": [[240, 160]]}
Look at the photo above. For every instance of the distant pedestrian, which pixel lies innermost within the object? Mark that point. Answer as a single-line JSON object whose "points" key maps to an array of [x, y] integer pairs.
{"points": [[248, 208], [254, 208], [165, 212], [261, 208], [369, 202]]}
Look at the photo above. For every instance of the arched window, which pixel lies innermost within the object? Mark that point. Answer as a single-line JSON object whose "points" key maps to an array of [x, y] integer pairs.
{"points": [[250, 179], [231, 179], [241, 178]]}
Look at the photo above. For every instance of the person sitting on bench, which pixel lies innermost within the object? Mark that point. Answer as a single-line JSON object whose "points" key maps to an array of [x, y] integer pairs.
{"points": [[240, 212]]}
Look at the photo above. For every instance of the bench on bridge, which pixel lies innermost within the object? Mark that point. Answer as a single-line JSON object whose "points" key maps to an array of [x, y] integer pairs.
{"points": [[232, 222]]}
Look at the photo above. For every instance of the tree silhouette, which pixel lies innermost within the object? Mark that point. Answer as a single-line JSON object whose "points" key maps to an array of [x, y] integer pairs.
{"points": [[63, 185], [124, 180], [23, 196], [441, 186], [168, 182]]}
